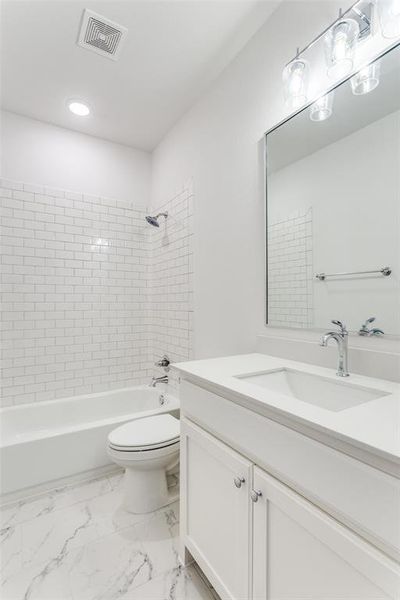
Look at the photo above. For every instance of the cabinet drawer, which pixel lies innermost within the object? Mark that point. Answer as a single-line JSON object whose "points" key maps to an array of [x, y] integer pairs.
{"points": [[364, 498]]}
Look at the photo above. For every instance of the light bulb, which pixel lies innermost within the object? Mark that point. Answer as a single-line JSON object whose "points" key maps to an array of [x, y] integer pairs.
{"points": [[79, 108], [340, 45], [295, 82], [389, 16], [321, 109], [366, 80]]}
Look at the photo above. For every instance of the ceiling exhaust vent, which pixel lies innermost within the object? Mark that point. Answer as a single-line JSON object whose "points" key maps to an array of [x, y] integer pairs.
{"points": [[101, 35]]}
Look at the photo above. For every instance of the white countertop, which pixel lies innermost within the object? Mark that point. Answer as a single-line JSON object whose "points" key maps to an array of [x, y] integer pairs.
{"points": [[373, 426]]}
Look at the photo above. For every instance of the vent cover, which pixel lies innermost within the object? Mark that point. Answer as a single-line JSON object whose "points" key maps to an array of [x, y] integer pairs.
{"points": [[101, 35]]}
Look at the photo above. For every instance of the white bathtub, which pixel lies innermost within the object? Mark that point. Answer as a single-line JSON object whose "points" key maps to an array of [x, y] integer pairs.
{"points": [[46, 441]]}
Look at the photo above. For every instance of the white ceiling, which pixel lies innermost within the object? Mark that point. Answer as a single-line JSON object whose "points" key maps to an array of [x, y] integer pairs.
{"points": [[172, 52]]}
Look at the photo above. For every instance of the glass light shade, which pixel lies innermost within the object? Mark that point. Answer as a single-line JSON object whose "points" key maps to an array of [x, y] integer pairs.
{"points": [[389, 17], [366, 80], [340, 46], [295, 83], [321, 109]]}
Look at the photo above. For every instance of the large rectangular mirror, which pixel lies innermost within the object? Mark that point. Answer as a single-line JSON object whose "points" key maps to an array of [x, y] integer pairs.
{"points": [[333, 206]]}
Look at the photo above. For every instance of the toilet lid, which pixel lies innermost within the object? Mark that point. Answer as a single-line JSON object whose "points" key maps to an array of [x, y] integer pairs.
{"points": [[148, 432]]}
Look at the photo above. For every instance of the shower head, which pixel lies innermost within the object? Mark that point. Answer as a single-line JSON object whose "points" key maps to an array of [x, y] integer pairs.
{"points": [[154, 220]]}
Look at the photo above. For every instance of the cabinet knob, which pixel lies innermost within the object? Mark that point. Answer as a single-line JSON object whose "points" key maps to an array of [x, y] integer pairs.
{"points": [[238, 481], [255, 494]]}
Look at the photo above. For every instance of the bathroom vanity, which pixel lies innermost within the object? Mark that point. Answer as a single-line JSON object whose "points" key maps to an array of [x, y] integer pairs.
{"points": [[290, 480]]}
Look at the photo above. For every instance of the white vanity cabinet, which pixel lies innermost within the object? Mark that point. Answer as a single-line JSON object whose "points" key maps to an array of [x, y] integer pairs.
{"points": [[300, 552], [216, 509], [255, 537]]}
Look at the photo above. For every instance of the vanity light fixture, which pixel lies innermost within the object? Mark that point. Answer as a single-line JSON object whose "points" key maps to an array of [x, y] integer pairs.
{"points": [[78, 108], [340, 42], [366, 80], [389, 16], [340, 46], [295, 82], [321, 109]]}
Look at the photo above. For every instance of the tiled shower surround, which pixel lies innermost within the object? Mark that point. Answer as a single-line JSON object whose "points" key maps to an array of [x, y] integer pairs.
{"points": [[290, 274], [171, 281], [90, 292]]}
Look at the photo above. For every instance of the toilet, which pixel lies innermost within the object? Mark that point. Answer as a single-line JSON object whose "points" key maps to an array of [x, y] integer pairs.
{"points": [[148, 449]]}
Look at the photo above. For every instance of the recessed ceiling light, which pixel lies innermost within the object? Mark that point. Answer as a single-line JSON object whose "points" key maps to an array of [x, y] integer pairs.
{"points": [[79, 108]]}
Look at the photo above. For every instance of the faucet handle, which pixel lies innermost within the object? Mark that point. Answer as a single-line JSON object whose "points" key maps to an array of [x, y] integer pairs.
{"points": [[163, 362], [370, 320], [343, 328]]}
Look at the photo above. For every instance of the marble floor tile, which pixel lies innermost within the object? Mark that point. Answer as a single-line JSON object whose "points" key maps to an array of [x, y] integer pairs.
{"points": [[70, 495], [78, 543], [178, 584], [116, 479], [48, 580], [26, 510], [108, 507], [53, 535], [10, 552], [110, 568], [159, 536]]}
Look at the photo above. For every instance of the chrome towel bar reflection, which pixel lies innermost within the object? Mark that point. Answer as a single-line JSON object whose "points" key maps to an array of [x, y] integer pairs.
{"points": [[386, 271]]}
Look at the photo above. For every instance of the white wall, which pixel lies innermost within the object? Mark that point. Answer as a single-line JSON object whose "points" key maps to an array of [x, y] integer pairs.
{"points": [[219, 143], [40, 153]]}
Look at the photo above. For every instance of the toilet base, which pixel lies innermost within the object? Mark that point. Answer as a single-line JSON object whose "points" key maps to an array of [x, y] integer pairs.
{"points": [[146, 491], [145, 486]]}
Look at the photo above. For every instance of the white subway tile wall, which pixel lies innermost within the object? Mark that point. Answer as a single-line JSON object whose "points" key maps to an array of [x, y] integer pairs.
{"points": [[76, 275], [290, 270], [171, 281]]}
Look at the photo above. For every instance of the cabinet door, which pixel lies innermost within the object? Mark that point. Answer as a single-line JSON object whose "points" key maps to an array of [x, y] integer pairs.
{"points": [[302, 553], [216, 510]]}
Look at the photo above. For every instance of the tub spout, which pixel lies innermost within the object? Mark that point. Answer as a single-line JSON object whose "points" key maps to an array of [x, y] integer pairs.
{"points": [[155, 380]]}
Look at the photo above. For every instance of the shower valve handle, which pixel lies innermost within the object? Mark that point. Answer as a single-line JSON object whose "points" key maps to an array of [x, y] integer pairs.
{"points": [[164, 362]]}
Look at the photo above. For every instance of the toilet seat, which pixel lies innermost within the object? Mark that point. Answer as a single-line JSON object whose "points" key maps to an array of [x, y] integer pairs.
{"points": [[142, 448], [146, 434]]}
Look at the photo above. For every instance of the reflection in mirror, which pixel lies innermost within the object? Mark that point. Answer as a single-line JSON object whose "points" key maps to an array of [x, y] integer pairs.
{"points": [[333, 206]]}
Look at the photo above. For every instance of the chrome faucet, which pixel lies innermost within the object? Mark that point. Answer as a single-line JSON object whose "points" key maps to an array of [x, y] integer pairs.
{"points": [[163, 363], [155, 380], [340, 338], [365, 331]]}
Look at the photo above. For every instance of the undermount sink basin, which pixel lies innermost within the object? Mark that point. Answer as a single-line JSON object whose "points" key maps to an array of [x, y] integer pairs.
{"points": [[321, 391]]}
